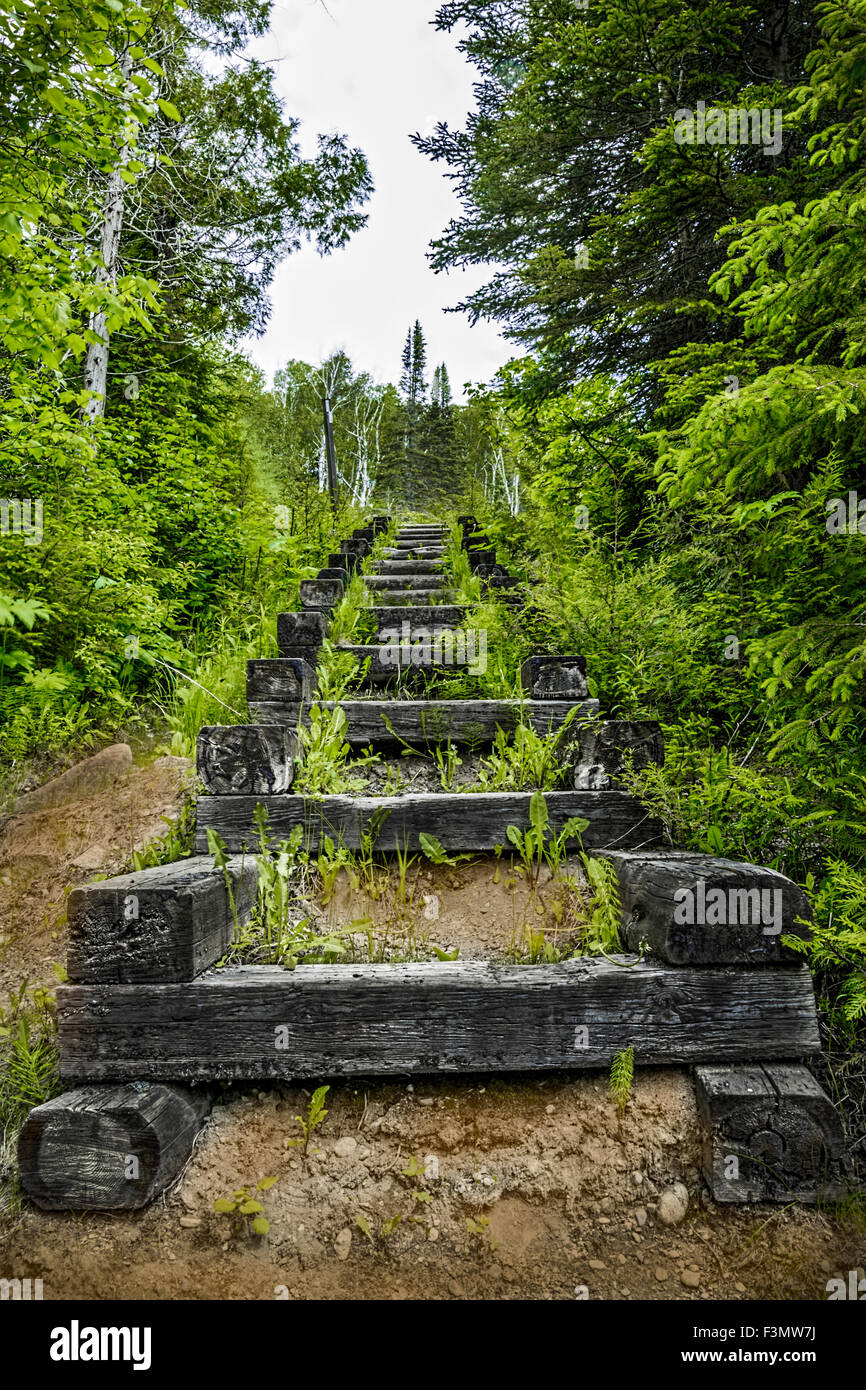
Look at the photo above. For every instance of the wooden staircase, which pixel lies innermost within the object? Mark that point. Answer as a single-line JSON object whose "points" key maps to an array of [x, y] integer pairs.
{"points": [[146, 1022]]}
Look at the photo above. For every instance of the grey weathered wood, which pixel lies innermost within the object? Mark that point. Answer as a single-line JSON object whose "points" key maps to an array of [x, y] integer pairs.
{"points": [[428, 582], [246, 759], [554, 677], [467, 723], [770, 1133], [323, 594], [331, 573], [284, 679], [359, 547], [406, 597], [603, 750], [460, 821], [301, 634], [489, 572], [406, 551], [167, 923], [108, 1148], [749, 908], [411, 565], [419, 614], [253, 1023], [391, 660]]}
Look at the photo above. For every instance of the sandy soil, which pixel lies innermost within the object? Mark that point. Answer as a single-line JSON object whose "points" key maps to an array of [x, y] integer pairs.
{"points": [[447, 1189]]}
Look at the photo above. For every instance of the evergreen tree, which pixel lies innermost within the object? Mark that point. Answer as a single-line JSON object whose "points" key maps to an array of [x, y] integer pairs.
{"points": [[414, 389]]}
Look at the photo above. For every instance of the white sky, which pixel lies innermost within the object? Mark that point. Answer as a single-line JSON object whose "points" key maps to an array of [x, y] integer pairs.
{"points": [[377, 70]]}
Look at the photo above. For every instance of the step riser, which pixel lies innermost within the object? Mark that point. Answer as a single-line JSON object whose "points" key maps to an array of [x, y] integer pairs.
{"points": [[476, 821], [462, 1017], [426, 723]]}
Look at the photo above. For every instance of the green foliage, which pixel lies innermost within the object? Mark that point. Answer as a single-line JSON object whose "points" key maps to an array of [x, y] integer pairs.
{"points": [[314, 1117], [621, 1080], [29, 1073], [245, 1210], [837, 948]]}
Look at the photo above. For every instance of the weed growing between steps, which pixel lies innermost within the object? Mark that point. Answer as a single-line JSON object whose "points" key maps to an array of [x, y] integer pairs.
{"points": [[336, 905]]}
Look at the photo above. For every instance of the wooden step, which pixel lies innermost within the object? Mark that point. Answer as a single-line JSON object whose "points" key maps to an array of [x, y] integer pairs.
{"points": [[413, 596], [424, 552], [261, 1022], [392, 661], [424, 723], [429, 615], [409, 567], [405, 580], [460, 821]]}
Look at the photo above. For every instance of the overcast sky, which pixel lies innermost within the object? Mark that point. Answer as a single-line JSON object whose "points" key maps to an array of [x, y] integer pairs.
{"points": [[377, 70]]}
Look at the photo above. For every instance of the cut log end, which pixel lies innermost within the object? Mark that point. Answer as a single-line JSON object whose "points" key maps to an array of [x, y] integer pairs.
{"points": [[770, 1135], [108, 1148]]}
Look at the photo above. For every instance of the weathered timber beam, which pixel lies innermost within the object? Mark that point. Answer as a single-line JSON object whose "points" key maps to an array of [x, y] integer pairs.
{"points": [[246, 759], [108, 1148], [554, 677], [460, 821], [604, 749], [770, 1133], [695, 909], [167, 923], [467, 723], [260, 1022], [285, 679]]}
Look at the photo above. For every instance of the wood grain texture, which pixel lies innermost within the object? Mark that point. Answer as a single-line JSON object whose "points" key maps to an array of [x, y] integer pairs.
{"points": [[405, 581], [409, 566], [166, 923], [390, 660], [419, 614], [424, 723], [259, 1022], [403, 597], [284, 679], [554, 677], [108, 1148], [476, 821], [770, 1134], [246, 759], [605, 748], [739, 912]]}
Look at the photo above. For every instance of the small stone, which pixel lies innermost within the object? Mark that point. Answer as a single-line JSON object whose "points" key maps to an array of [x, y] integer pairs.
{"points": [[431, 1167], [690, 1279], [549, 1109], [433, 1233], [741, 1288], [661, 1273], [673, 1204], [428, 1100], [455, 1289], [342, 1243], [345, 1147], [188, 1222], [597, 1264], [641, 1216]]}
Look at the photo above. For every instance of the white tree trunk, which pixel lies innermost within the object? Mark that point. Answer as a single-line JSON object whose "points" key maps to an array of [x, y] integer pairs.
{"points": [[96, 359]]}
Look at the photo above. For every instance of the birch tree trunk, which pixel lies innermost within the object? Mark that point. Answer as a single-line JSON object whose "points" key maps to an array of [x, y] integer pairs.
{"points": [[96, 359]]}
